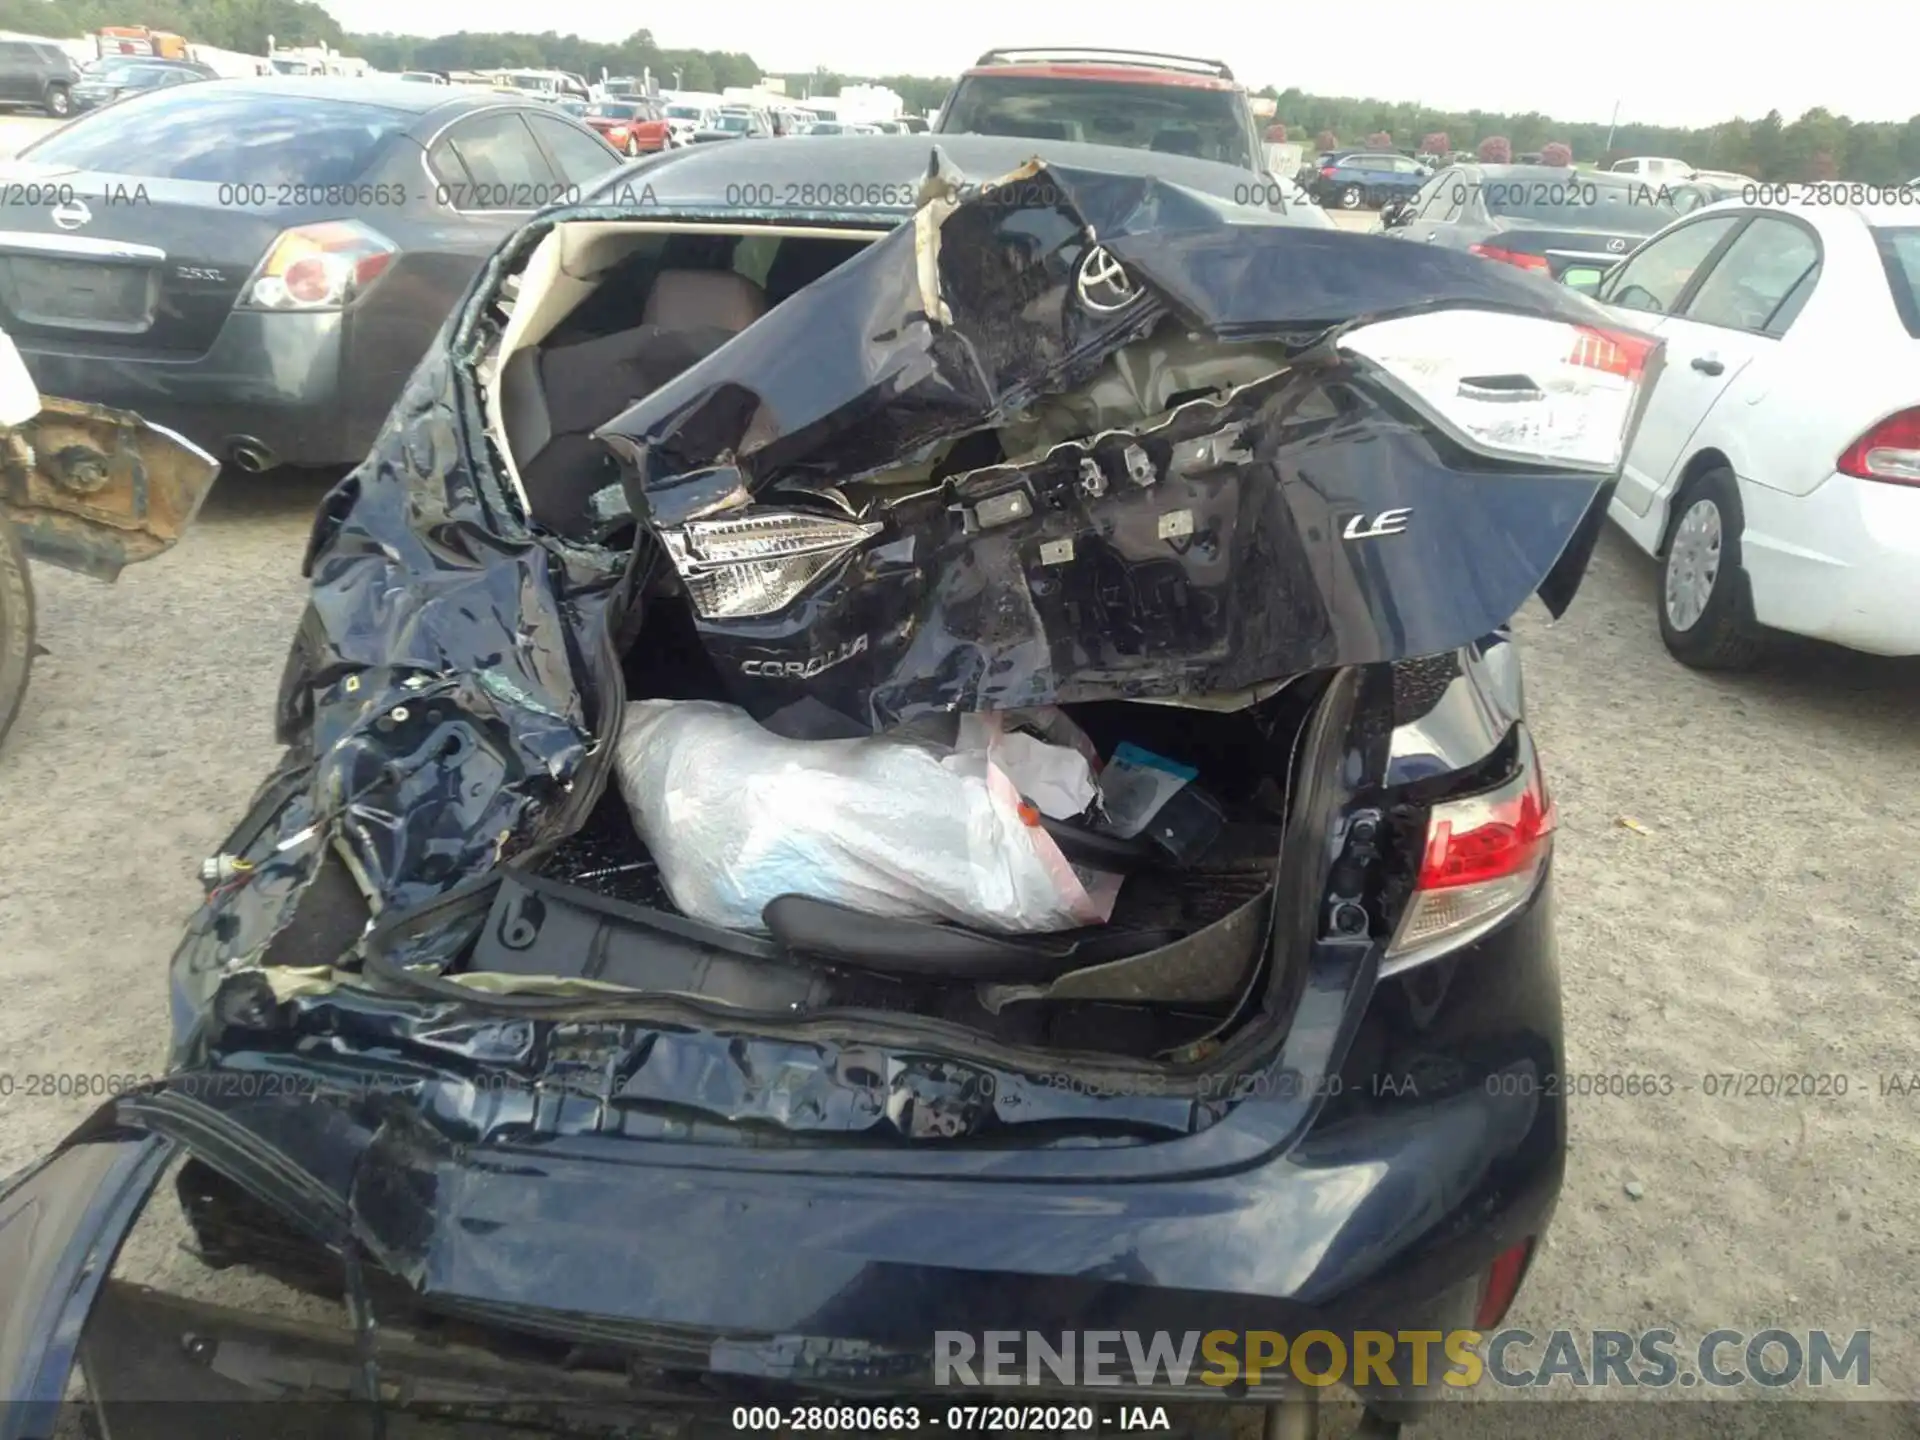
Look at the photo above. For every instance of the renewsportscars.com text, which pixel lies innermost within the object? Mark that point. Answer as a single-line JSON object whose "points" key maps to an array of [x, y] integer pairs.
{"points": [[1509, 1359]]}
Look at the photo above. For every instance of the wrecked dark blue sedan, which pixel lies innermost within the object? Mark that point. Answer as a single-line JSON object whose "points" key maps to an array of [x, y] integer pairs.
{"points": [[843, 441]]}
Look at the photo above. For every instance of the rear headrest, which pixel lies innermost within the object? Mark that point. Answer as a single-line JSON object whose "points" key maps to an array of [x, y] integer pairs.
{"points": [[689, 299]]}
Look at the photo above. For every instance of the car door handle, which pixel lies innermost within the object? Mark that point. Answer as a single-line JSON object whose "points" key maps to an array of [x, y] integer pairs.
{"points": [[1706, 365]]}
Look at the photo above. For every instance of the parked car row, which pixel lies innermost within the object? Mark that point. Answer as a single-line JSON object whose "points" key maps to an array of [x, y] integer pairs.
{"points": [[117, 77]]}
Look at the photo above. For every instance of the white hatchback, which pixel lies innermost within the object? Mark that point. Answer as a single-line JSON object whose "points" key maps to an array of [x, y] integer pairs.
{"points": [[1776, 472]]}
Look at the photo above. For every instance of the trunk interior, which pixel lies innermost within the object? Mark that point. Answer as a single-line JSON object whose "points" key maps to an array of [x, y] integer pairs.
{"points": [[1177, 967], [1170, 971]]}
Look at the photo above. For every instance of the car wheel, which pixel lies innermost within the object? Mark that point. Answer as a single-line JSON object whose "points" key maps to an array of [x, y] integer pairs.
{"points": [[1703, 606], [59, 102], [1352, 197], [16, 626]]}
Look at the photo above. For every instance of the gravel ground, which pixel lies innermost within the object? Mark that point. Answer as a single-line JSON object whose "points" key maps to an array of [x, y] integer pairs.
{"points": [[1732, 892]]}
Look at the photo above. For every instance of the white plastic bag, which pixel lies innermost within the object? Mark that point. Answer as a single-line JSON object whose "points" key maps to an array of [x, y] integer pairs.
{"points": [[892, 825]]}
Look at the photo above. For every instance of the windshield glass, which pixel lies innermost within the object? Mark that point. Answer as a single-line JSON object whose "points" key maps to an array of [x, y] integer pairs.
{"points": [[1175, 119], [684, 112], [1900, 253], [607, 111], [1581, 202], [188, 133], [730, 122]]}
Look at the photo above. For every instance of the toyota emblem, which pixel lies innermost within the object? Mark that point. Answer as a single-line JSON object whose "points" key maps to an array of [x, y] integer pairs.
{"points": [[1104, 284], [72, 215], [1616, 246]]}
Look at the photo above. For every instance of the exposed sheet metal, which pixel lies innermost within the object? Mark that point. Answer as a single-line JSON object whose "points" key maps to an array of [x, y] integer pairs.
{"points": [[95, 489], [454, 688]]}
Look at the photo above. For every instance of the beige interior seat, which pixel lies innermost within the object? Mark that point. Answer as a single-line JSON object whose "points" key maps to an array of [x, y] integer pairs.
{"points": [[553, 397]]}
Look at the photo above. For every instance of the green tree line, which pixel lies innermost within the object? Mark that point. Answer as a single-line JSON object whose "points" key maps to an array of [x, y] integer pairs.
{"points": [[1818, 145]]}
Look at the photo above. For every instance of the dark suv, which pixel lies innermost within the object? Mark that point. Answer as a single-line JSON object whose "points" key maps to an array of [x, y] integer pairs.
{"points": [[1170, 103], [37, 73], [1370, 178]]}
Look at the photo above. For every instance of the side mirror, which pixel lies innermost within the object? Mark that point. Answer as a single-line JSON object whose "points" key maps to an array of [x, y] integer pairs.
{"points": [[1395, 214], [1585, 279]]}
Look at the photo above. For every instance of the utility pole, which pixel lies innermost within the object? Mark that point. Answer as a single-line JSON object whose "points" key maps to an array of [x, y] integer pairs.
{"points": [[1610, 124]]}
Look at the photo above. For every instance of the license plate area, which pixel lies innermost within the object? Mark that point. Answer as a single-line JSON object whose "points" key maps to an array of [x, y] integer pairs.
{"points": [[115, 297]]}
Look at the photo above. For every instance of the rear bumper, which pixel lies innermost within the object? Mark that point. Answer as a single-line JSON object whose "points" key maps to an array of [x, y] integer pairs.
{"points": [[277, 379], [1443, 1149], [854, 1270], [1840, 564]]}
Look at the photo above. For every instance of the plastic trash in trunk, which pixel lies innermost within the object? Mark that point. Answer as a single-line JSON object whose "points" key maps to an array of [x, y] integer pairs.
{"points": [[902, 825]]}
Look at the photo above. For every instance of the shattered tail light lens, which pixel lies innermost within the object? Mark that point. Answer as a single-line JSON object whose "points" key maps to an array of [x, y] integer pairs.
{"points": [[1516, 386], [1483, 856], [758, 563], [318, 267]]}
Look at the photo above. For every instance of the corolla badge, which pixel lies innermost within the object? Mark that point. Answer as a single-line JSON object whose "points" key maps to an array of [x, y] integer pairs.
{"points": [[1387, 522], [805, 669], [72, 215]]}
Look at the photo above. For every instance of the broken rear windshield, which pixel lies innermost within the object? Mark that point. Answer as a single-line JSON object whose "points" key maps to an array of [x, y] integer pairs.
{"points": [[1174, 119]]}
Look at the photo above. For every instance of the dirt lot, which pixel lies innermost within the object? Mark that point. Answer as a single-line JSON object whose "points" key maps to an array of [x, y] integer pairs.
{"points": [[1737, 894], [19, 130]]}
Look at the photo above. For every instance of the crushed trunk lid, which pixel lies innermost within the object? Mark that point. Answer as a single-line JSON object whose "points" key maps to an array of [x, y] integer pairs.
{"points": [[455, 690], [877, 496]]}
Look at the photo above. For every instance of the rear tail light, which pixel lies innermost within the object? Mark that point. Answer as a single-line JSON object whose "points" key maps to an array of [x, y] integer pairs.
{"points": [[1516, 386], [1327, 172], [1501, 1285], [1512, 257], [759, 563], [1483, 857], [318, 267], [1890, 451]]}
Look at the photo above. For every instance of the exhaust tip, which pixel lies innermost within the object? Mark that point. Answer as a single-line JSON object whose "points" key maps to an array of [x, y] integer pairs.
{"points": [[250, 455]]}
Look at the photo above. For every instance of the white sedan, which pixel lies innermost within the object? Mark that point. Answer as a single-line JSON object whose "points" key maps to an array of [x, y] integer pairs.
{"points": [[1776, 473]]}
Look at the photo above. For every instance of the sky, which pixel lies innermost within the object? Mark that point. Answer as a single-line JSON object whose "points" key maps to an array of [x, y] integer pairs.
{"points": [[1666, 62]]}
